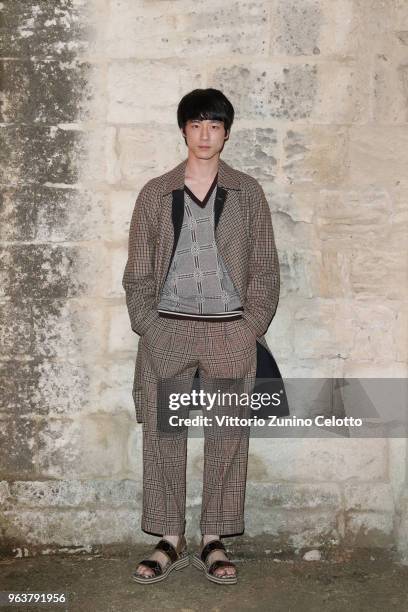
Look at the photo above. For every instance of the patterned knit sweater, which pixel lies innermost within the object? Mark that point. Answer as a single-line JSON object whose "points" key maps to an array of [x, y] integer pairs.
{"points": [[198, 281]]}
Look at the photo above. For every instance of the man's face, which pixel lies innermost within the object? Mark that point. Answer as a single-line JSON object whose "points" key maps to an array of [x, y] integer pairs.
{"points": [[206, 137]]}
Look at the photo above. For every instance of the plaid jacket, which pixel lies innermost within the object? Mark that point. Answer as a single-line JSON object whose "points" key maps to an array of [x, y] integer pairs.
{"points": [[244, 237]]}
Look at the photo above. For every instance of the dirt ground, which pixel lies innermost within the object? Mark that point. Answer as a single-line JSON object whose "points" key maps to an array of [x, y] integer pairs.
{"points": [[343, 580]]}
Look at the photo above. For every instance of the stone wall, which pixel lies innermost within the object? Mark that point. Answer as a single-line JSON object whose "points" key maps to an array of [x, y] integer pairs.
{"points": [[89, 92]]}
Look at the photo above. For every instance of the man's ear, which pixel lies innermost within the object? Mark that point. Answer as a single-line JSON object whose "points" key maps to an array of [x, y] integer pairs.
{"points": [[227, 135]]}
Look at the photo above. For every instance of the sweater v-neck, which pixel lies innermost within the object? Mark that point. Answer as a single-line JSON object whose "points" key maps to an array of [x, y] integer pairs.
{"points": [[203, 202]]}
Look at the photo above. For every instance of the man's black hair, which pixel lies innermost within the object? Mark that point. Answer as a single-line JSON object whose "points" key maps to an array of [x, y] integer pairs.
{"points": [[205, 104]]}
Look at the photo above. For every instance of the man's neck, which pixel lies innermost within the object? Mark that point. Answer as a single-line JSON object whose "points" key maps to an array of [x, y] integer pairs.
{"points": [[201, 170]]}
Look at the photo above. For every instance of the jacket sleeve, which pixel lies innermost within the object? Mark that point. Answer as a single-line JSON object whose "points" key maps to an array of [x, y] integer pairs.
{"points": [[138, 277], [263, 267]]}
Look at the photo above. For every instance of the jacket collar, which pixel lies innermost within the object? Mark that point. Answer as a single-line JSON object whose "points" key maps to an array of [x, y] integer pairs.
{"points": [[227, 177]]}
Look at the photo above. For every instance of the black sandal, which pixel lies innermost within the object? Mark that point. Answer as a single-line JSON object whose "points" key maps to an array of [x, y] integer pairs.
{"points": [[178, 558], [200, 562]]}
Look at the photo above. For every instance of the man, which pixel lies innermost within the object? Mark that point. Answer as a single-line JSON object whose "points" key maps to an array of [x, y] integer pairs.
{"points": [[202, 286]]}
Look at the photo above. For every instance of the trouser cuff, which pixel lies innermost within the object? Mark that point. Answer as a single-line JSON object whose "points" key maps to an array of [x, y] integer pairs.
{"points": [[163, 528], [222, 529]]}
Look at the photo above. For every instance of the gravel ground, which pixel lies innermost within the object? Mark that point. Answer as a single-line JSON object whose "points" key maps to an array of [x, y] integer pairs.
{"points": [[343, 580]]}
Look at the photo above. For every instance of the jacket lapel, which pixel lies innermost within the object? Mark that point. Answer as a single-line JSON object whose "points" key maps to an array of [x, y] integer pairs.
{"points": [[219, 204], [177, 215], [230, 231]]}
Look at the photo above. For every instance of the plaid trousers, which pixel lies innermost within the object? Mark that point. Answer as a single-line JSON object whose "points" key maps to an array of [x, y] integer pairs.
{"points": [[173, 349]]}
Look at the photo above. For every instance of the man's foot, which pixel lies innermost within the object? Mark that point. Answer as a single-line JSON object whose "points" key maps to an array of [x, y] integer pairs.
{"points": [[218, 555], [159, 556]]}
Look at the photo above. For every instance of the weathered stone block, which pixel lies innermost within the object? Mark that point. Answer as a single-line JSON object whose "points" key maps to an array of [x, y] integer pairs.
{"points": [[316, 156], [89, 447], [299, 25], [369, 529], [118, 258], [378, 272], [154, 149], [49, 28], [52, 214], [154, 100], [100, 165], [292, 496], [15, 330], [399, 14], [121, 337], [293, 528], [371, 497], [329, 337], [33, 154], [401, 340], [401, 526], [72, 493], [68, 330], [375, 326], [254, 151], [58, 92], [314, 460], [17, 213], [149, 31], [70, 527], [121, 209], [40, 271], [378, 156], [47, 271], [40, 386], [389, 96], [69, 214], [303, 272], [134, 461], [111, 386], [269, 91], [4, 492], [350, 219], [18, 379], [17, 447]]}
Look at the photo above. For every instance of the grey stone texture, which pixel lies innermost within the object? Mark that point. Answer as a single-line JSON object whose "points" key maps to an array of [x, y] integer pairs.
{"points": [[88, 99]]}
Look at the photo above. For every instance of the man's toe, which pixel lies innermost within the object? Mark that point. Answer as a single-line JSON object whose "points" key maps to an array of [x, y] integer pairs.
{"points": [[144, 571], [227, 571]]}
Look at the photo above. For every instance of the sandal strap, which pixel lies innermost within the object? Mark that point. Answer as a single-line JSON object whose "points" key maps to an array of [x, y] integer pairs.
{"points": [[220, 564], [154, 565], [208, 548], [168, 549]]}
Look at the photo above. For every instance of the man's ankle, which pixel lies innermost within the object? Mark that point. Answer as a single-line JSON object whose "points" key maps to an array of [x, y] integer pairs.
{"points": [[173, 539], [209, 538]]}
